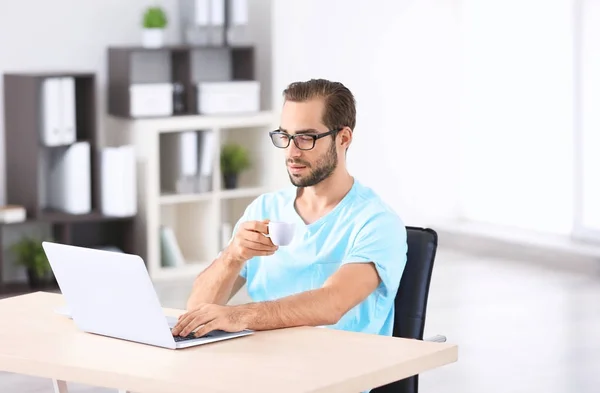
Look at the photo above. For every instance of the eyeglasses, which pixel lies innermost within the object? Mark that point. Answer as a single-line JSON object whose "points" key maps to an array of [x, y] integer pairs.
{"points": [[302, 141]]}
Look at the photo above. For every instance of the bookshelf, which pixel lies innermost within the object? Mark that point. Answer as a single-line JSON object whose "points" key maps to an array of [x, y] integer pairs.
{"points": [[27, 160], [195, 218], [169, 82]]}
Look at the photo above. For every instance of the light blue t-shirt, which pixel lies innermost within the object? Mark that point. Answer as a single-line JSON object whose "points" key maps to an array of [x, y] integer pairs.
{"points": [[361, 228]]}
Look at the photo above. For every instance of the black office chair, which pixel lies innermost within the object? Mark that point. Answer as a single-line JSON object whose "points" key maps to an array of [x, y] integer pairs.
{"points": [[411, 300]]}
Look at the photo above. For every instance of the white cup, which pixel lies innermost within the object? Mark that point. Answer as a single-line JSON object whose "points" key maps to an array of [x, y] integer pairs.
{"points": [[281, 233]]}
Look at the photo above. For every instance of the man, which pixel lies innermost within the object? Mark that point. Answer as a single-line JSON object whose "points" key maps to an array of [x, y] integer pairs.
{"points": [[342, 269]]}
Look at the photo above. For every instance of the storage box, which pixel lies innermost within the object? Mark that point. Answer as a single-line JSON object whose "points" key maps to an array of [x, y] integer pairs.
{"points": [[229, 97], [151, 99], [12, 213]]}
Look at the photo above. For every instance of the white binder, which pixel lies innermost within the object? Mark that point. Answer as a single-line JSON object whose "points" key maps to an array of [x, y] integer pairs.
{"points": [[69, 182], [58, 111], [118, 181]]}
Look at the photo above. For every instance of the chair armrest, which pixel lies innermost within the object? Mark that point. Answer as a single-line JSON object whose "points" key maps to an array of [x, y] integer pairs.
{"points": [[438, 338]]}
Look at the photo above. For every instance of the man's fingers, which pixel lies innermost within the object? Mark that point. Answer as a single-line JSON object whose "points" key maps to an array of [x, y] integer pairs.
{"points": [[207, 328], [257, 238], [257, 226], [186, 320], [195, 323], [257, 246], [183, 321]]}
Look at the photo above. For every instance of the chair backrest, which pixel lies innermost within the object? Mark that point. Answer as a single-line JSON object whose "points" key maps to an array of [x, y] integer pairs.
{"points": [[411, 299]]}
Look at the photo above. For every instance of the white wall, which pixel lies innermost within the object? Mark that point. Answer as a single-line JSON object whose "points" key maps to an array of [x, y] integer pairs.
{"points": [[401, 60]]}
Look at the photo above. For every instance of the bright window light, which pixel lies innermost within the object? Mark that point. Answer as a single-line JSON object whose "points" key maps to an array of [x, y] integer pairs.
{"points": [[590, 114], [517, 116]]}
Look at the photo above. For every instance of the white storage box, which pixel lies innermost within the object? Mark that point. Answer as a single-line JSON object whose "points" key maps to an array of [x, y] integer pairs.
{"points": [[229, 97], [151, 99]]}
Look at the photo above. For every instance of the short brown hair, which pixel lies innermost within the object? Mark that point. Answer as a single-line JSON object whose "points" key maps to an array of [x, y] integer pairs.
{"points": [[340, 105]]}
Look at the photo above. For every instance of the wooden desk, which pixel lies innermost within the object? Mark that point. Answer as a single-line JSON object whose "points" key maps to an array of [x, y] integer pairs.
{"points": [[34, 340]]}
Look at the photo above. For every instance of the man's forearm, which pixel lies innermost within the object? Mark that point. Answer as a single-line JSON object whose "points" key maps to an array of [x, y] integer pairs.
{"points": [[214, 285], [312, 308]]}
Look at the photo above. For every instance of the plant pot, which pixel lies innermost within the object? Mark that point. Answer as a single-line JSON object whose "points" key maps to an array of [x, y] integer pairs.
{"points": [[37, 282], [230, 180], [153, 38]]}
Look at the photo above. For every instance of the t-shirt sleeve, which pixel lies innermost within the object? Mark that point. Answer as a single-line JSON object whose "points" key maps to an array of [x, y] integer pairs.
{"points": [[382, 241]]}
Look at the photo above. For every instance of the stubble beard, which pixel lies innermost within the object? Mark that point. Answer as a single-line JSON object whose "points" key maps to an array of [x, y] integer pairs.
{"points": [[324, 167]]}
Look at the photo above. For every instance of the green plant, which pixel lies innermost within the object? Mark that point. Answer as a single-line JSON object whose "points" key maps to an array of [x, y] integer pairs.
{"points": [[30, 254], [234, 159], [155, 18]]}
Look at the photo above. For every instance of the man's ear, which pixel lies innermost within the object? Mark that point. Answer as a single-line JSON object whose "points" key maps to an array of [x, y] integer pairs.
{"points": [[345, 135]]}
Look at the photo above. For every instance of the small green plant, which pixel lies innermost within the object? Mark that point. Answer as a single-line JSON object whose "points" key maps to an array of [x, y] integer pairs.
{"points": [[30, 254], [234, 159], [155, 18]]}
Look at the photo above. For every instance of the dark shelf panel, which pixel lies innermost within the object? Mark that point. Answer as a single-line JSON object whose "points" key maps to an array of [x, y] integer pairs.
{"points": [[50, 74], [57, 217], [179, 48], [22, 288], [50, 215]]}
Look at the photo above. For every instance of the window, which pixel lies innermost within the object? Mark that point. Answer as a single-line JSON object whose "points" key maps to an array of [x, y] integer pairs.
{"points": [[517, 132], [587, 38]]}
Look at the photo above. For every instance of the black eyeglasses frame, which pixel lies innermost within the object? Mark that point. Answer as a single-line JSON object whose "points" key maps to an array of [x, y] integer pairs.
{"points": [[314, 137]]}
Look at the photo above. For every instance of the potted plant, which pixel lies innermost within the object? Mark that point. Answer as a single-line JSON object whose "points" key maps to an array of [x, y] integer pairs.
{"points": [[154, 23], [30, 254], [234, 160]]}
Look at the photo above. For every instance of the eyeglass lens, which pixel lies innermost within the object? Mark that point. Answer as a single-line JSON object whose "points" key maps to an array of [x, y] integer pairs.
{"points": [[304, 142]]}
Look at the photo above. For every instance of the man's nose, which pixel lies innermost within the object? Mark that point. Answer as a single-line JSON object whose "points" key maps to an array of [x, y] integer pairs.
{"points": [[293, 151]]}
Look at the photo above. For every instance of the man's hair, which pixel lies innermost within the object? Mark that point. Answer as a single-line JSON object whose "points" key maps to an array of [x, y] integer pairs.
{"points": [[340, 105]]}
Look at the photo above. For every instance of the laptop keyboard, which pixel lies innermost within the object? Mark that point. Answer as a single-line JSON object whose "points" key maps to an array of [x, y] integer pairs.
{"points": [[191, 336]]}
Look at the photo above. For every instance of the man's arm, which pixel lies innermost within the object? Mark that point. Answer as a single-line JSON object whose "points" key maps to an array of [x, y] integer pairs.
{"points": [[346, 288], [218, 283]]}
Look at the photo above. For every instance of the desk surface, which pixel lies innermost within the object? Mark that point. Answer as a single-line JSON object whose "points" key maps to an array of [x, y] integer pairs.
{"points": [[34, 340]]}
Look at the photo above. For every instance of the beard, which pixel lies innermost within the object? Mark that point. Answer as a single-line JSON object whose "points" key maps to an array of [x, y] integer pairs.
{"points": [[323, 168]]}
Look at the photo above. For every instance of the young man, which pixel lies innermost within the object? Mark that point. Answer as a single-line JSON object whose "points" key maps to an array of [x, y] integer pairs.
{"points": [[342, 269]]}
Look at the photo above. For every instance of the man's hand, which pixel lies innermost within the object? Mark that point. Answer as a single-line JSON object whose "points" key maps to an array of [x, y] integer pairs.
{"points": [[250, 241], [208, 317]]}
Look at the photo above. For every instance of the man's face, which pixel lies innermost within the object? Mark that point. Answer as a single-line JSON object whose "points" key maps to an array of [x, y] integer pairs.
{"points": [[308, 167]]}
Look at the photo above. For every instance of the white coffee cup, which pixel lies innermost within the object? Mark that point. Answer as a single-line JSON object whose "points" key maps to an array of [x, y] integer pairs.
{"points": [[281, 233]]}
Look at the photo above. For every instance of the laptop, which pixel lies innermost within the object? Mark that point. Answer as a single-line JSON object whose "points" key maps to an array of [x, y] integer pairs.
{"points": [[110, 294]]}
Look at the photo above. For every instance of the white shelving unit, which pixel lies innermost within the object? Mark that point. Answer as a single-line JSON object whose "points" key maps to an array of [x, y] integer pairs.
{"points": [[196, 219]]}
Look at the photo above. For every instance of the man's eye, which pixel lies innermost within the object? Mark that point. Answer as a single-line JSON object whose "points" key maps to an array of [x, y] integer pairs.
{"points": [[305, 138]]}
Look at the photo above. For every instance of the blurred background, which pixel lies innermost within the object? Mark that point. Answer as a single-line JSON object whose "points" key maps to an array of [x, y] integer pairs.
{"points": [[141, 126]]}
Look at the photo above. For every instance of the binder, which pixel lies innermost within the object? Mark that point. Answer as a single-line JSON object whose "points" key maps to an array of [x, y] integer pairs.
{"points": [[69, 180], [118, 181], [179, 162], [206, 147], [58, 111]]}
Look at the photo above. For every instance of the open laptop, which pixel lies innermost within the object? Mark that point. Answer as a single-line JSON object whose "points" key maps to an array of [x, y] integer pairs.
{"points": [[110, 293]]}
